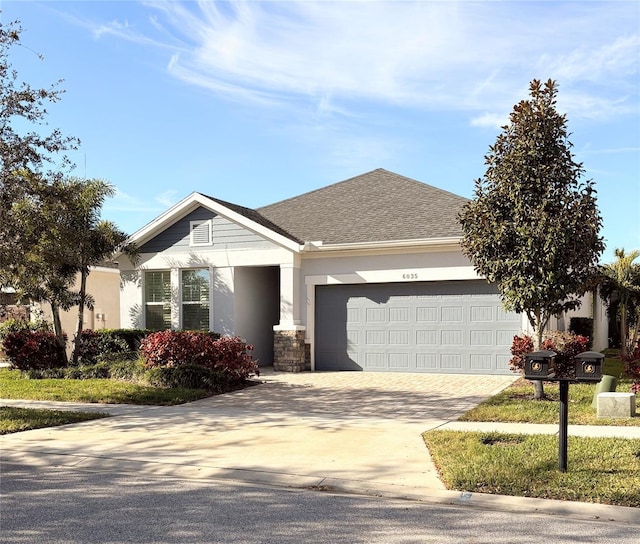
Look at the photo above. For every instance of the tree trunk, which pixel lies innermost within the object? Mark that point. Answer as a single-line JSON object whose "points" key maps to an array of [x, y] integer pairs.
{"points": [[636, 330], [538, 385], [83, 293], [623, 329], [57, 327]]}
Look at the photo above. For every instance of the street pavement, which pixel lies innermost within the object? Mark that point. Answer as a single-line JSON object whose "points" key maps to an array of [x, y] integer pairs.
{"points": [[344, 432]]}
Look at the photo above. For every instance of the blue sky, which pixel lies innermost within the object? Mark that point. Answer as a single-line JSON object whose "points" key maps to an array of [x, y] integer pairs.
{"points": [[255, 102]]}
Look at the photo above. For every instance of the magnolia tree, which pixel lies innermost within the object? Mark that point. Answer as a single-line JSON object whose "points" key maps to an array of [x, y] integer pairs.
{"points": [[533, 225]]}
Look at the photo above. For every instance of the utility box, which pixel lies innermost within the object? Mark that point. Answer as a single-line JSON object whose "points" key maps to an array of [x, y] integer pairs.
{"points": [[540, 365], [589, 366]]}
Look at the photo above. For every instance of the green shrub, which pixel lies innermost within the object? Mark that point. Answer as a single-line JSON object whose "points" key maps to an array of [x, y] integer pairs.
{"points": [[100, 345], [45, 373], [19, 325], [120, 370], [127, 369], [188, 377]]}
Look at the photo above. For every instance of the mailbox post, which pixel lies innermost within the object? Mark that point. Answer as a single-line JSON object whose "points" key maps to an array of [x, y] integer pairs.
{"points": [[540, 365]]}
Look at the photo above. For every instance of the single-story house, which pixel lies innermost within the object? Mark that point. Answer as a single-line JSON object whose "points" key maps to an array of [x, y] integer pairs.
{"points": [[365, 274]]}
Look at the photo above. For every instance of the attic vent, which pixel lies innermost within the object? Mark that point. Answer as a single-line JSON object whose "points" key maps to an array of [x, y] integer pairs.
{"points": [[200, 233]]}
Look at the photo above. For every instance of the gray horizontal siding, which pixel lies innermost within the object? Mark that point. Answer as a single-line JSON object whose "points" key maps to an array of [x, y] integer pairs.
{"points": [[226, 235]]}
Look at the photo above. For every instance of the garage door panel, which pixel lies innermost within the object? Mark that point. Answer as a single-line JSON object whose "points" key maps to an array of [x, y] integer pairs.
{"points": [[414, 327], [505, 338], [398, 361], [481, 338], [398, 337], [481, 314], [427, 313], [426, 361], [451, 313], [451, 361], [481, 361], [427, 337]]}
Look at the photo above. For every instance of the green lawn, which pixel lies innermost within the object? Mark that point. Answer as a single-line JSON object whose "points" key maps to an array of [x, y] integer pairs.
{"points": [[599, 470], [515, 404], [14, 420], [14, 386]]}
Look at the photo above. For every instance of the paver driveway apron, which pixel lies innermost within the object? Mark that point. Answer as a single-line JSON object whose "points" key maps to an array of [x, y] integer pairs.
{"points": [[297, 429]]}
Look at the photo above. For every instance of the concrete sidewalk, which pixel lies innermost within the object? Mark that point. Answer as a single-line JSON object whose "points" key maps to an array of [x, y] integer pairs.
{"points": [[332, 431]]}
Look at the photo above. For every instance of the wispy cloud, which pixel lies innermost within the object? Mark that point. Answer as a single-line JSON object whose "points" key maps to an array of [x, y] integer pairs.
{"points": [[452, 56], [167, 198], [125, 202], [491, 120]]}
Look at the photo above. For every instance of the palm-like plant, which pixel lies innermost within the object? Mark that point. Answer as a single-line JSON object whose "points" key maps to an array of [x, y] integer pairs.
{"points": [[620, 285]]}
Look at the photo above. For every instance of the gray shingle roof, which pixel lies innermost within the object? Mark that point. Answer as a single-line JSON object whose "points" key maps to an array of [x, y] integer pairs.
{"points": [[376, 206], [256, 217]]}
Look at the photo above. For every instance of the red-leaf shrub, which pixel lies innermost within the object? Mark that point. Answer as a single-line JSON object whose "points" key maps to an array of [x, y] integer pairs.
{"points": [[232, 357], [178, 348], [632, 368], [566, 345], [173, 348], [520, 346], [33, 350]]}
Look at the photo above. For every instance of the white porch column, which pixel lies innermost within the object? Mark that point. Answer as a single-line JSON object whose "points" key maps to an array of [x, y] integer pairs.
{"points": [[289, 348], [289, 293]]}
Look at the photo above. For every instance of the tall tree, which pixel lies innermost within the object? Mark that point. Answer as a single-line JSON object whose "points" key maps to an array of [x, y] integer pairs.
{"points": [[95, 240], [44, 270], [620, 287], [27, 156], [533, 225]]}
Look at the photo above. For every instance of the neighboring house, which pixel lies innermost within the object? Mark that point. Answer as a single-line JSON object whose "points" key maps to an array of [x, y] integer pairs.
{"points": [[103, 284], [365, 274], [9, 307]]}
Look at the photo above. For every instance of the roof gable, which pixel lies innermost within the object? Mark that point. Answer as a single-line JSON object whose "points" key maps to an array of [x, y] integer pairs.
{"points": [[244, 217], [374, 207]]}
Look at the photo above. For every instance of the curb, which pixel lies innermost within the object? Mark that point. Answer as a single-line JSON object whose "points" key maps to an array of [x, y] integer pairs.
{"points": [[459, 499]]}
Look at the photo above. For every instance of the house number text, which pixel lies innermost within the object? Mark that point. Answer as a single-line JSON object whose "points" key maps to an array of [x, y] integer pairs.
{"points": [[410, 276]]}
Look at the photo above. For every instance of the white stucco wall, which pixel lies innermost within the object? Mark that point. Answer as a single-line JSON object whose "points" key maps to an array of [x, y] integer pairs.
{"points": [[222, 265]]}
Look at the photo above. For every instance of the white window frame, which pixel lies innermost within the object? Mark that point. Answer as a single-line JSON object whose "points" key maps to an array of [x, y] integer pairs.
{"points": [[194, 226], [155, 303], [182, 302]]}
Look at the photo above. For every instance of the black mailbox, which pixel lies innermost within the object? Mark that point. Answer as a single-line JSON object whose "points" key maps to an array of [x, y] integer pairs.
{"points": [[589, 366], [539, 365]]}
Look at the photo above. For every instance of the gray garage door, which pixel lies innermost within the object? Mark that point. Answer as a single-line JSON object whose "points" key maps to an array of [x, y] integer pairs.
{"points": [[440, 327]]}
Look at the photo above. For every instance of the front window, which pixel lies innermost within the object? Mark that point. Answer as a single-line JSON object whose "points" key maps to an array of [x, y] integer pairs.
{"points": [[195, 299], [157, 300]]}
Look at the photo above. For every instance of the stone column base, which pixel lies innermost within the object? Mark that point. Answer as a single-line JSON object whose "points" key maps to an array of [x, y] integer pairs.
{"points": [[289, 351]]}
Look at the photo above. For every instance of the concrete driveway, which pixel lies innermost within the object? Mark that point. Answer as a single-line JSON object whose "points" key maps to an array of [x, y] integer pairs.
{"points": [[348, 430]]}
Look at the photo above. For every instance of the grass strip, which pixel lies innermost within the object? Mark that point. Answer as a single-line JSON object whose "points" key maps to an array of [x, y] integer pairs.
{"points": [[515, 404], [600, 470], [14, 386], [14, 420]]}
